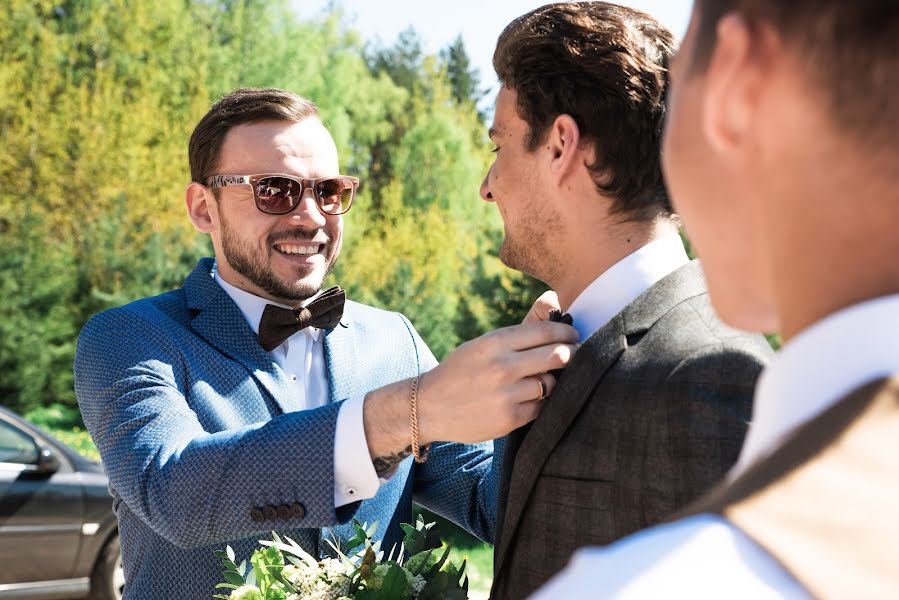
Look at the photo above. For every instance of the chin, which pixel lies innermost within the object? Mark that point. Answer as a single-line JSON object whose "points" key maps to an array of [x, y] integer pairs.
{"points": [[307, 286], [512, 257]]}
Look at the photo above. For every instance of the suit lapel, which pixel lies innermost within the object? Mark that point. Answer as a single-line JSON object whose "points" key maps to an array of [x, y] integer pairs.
{"points": [[340, 349], [574, 387], [593, 359], [681, 285], [221, 324]]}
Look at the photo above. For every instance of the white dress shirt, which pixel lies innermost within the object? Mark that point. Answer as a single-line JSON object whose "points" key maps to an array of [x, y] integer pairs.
{"points": [[705, 556], [620, 285], [302, 358]]}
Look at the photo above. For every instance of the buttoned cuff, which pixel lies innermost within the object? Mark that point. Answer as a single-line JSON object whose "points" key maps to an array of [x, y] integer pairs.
{"points": [[355, 478]]}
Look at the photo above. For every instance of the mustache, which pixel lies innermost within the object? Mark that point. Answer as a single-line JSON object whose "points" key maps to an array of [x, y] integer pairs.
{"points": [[299, 236]]}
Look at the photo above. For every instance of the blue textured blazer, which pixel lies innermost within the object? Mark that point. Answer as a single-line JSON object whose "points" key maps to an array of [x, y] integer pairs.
{"points": [[204, 444]]}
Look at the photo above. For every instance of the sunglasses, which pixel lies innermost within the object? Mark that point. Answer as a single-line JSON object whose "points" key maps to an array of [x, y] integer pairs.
{"points": [[278, 194]]}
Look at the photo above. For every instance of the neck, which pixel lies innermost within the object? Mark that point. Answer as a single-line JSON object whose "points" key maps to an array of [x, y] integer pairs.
{"points": [[593, 250], [228, 274], [806, 298], [836, 248]]}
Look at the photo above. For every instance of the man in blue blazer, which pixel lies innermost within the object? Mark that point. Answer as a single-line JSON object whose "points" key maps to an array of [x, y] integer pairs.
{"points": [[248, 400]]}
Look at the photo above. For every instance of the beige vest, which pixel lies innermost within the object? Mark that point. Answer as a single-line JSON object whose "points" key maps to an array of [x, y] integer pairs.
{"points": [[826, 503]]}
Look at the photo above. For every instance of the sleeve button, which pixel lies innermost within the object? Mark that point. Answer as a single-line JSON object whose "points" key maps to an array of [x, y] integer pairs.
{"points": [[270, 512], [257, 515], [284, 512], [298, 510]]}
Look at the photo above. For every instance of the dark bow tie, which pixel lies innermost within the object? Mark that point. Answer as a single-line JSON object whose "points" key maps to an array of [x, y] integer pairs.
{"points": [[559, 317], [278, 324]]}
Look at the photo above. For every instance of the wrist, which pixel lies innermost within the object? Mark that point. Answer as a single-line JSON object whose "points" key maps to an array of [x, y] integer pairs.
{"points": [[385, 417]]}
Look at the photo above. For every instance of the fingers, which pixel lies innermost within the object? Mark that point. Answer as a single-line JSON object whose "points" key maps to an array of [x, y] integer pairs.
{"points": [[525, 412], [540, 360], [542, 306], [542, 386], [549, 383], [533, 388], [533, 391], [533, 334]]}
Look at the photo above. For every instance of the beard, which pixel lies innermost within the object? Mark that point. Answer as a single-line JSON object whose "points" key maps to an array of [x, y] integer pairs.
{"points": [[536, 256], [256, 269]]}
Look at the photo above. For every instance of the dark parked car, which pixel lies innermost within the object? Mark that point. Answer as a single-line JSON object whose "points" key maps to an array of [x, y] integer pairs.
{"points": [[58, 536]]}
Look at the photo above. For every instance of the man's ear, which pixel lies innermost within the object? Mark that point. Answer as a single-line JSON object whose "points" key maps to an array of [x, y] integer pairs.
{"points": [[200, 207], [735, 81], [562, 143]]}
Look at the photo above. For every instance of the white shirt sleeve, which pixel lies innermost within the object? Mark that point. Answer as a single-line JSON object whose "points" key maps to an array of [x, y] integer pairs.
{"points": [[354, 474], [699, 558]]}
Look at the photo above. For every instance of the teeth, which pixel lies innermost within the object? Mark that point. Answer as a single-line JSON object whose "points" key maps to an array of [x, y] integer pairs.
{"points": [[296, 249]]}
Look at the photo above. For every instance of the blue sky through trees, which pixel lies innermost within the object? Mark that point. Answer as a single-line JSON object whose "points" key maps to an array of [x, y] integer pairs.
{"points": [[479, 21]]}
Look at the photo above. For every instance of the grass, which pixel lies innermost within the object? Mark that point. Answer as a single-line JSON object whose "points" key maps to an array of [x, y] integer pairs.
{"points": [[464, 546], [478, 566]]}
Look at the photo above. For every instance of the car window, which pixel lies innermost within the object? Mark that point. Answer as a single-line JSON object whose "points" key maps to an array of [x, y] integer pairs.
{"points": [[16, 446]]}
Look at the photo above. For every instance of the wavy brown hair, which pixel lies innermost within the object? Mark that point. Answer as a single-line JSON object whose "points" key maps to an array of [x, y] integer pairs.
{"points": [[240, 107], [606, 66]]}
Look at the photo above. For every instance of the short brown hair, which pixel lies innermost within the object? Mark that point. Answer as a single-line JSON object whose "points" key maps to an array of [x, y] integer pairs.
{"points": [[606, 66], [850, 49], [241, 107]]}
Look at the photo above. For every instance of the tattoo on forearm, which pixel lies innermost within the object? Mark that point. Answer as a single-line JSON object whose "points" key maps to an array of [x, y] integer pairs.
{"points": [[385, 464]]}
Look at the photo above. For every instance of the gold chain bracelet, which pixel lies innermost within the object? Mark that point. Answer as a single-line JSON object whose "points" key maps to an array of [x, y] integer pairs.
{"points": [[420, 454]]}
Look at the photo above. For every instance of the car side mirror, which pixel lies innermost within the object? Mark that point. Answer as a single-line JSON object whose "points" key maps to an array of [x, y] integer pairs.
{"points": [[47, 461]]}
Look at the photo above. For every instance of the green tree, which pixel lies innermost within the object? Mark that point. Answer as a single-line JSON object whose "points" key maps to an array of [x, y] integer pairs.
{"points": [[402, 62], [100, 100], [463, 76]]}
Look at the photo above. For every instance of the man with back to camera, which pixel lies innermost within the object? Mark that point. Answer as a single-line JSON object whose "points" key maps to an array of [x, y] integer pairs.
{"points": [[653, 408], [781, 156], [248, 400]]}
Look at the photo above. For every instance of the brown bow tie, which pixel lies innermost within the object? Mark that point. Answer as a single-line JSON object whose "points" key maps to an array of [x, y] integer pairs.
{"points": [[559, 317], [278, 324]]}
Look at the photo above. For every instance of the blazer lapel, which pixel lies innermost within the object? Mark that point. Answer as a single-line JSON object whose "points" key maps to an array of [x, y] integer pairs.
{"points": [[220, 322], [592, 360], [681, 285], [340, 351]]}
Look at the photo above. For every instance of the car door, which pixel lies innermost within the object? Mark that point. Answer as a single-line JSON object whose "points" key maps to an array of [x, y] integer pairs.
{"points": [[40, 509]]}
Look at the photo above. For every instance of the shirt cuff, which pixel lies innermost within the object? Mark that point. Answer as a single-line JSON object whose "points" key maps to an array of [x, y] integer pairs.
{"points": [[355, 478]]}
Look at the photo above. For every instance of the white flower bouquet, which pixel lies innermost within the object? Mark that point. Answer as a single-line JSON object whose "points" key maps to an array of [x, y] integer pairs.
{"points": [[282, 570]]}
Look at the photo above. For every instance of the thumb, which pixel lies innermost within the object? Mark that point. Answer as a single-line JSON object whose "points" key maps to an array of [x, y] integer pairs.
{"points": [[541, 308]]}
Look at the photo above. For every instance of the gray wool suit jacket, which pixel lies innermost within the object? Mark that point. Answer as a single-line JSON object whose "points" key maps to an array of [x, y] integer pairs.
{"points": [[649, 414]]}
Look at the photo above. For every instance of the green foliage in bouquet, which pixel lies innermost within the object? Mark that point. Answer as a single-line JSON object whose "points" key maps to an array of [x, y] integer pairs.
{"points": [[282, 570]]}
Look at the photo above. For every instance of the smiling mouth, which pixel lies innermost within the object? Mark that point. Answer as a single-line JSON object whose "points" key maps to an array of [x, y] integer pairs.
{"points": [[299, 249]]}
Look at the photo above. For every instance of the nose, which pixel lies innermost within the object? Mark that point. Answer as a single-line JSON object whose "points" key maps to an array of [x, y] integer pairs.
{"points": [[485, 187], [307, 212]]}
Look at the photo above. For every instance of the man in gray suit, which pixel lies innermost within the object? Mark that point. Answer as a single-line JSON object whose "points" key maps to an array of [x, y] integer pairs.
{"points": [[654, 406]]}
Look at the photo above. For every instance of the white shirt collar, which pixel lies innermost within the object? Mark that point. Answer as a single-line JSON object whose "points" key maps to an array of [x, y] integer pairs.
{"points": [[624, 281], [819, 367], [252, 306]]}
